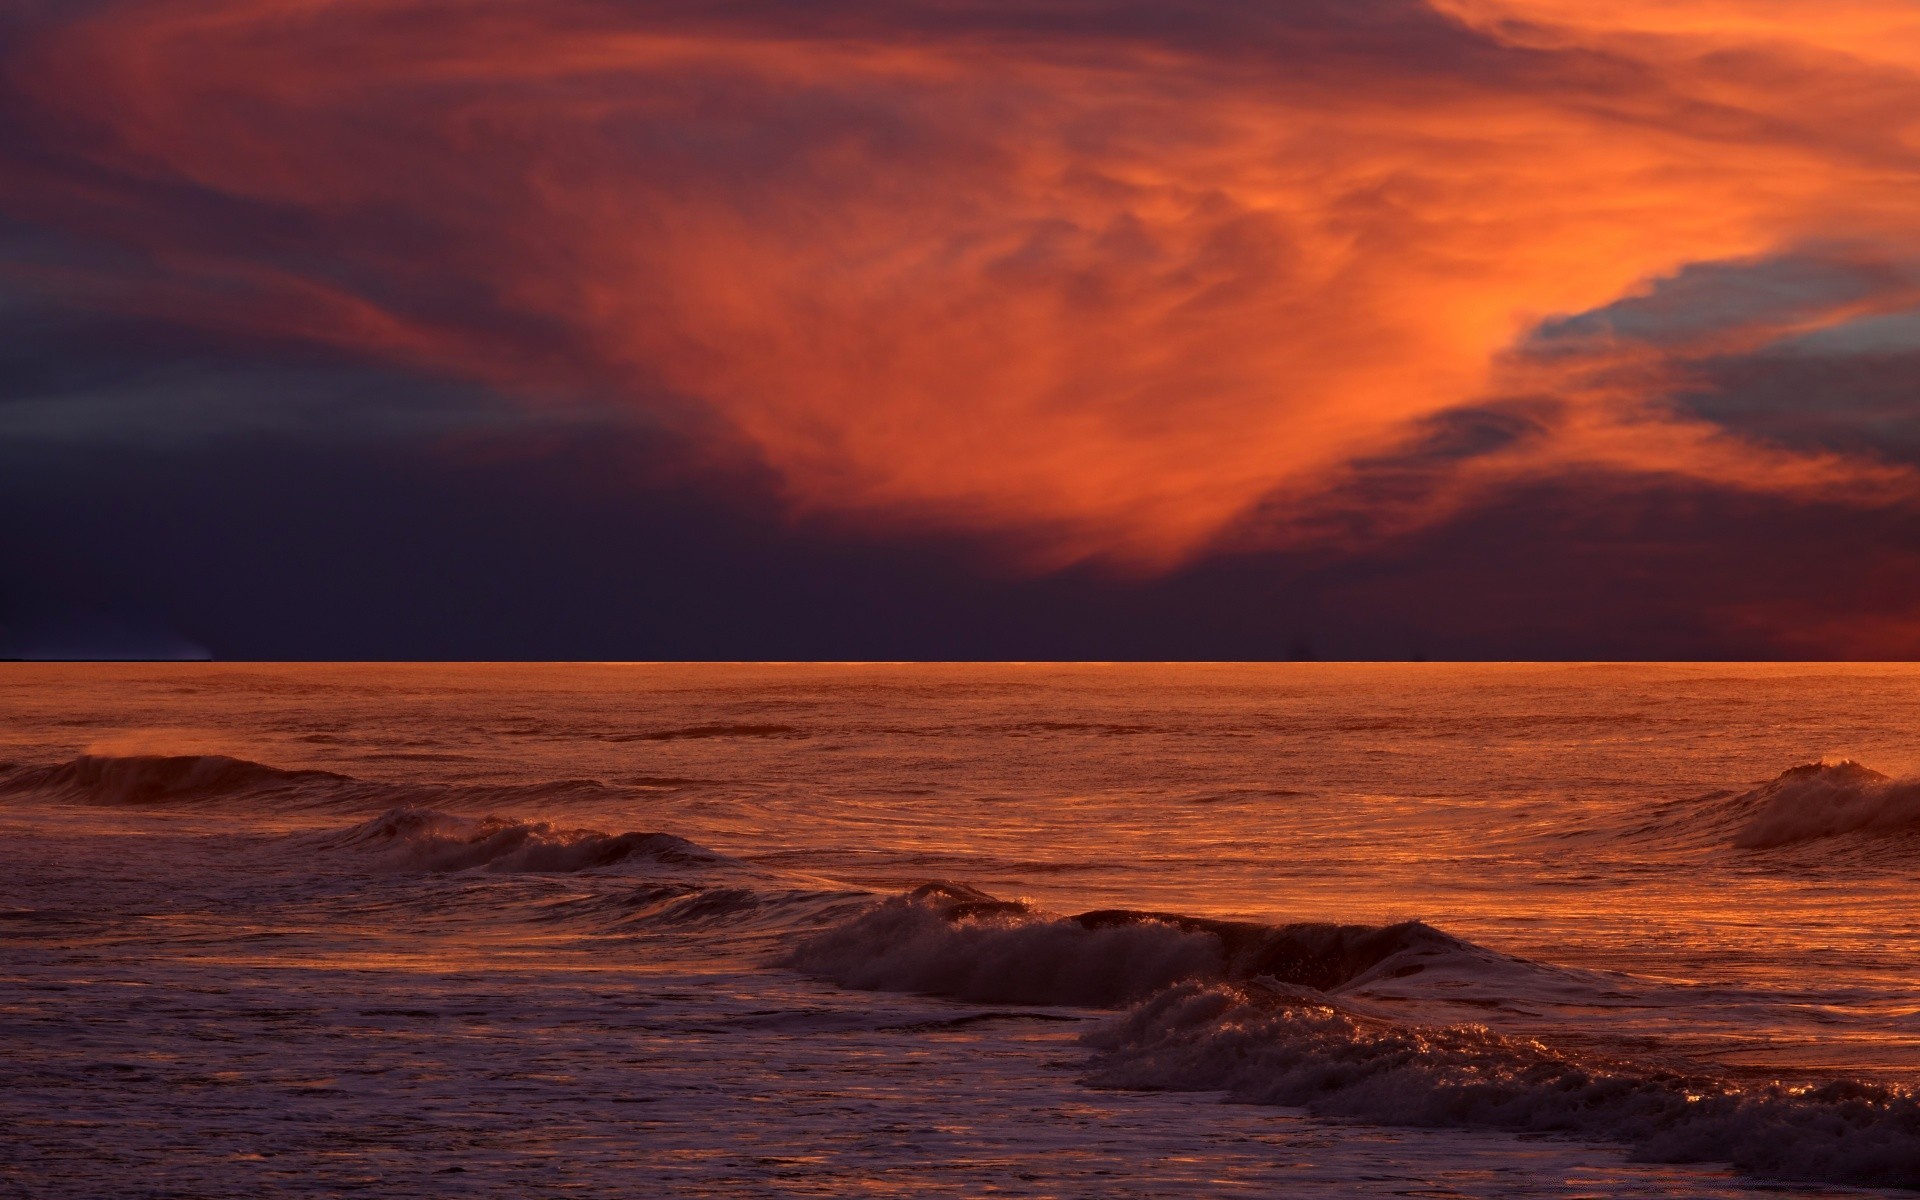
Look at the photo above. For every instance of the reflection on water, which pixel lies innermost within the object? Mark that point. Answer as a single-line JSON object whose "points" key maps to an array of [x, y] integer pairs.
{"points": [[610, 929]]}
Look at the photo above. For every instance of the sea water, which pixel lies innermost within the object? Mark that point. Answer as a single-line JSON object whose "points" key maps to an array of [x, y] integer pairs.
{"points": [[899, 930]]}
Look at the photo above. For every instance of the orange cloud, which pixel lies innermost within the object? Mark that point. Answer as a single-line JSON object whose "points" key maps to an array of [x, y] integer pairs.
{"points": [[1110, 284]]}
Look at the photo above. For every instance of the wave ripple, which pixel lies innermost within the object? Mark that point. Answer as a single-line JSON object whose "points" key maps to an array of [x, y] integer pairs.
{"points": [[425, 839], [1270, 1045], [951, 940], [158, 779]]}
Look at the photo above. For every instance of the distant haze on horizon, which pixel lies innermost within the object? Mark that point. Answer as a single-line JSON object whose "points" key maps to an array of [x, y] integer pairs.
{"points": [[960, 329]]}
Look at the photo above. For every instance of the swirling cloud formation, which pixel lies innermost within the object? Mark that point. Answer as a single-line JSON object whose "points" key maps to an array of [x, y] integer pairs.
{"points": [[1100, 279]]}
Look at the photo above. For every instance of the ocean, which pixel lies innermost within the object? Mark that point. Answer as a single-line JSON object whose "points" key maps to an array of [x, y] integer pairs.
{"points": [[1301, 930]]}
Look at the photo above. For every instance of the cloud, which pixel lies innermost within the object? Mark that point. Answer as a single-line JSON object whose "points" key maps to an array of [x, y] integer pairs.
{"points": [[273, 548], [1099, 279], [1739, 302]]}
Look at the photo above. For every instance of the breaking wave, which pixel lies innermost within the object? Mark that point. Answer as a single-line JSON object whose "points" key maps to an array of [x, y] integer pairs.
{"points": [[1313, 1016], [1811, 802], [425, 839], [955, 941], [1269, 1044], [1823, 800]]}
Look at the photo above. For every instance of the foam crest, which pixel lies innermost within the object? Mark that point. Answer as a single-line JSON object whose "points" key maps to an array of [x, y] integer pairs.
{"points": [[956, 941], [428, 840], [1278, 1045]]}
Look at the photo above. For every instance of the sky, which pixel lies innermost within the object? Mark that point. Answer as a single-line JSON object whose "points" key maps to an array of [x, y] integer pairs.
{"points": [[960, 329]]}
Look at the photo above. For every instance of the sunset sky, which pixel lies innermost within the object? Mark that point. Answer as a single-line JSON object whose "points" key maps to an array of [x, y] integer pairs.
{"points": [[960, 328]]}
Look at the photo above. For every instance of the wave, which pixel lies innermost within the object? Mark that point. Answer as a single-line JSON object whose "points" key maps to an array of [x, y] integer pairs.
{"points": [[697, 732], [951, 940], [1268, 1044], [158, 779], [1827, 799], [640, 883], [1042, 728], [428, 840], [766, 908], [1315, 1016], [200, 780], [1811, 802]]}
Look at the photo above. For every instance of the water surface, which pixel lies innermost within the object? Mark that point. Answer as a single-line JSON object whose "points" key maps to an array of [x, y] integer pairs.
{"points": [[632, 929]]}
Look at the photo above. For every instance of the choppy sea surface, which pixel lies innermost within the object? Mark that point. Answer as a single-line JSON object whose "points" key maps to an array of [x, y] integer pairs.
{"points": [[911, 930]]}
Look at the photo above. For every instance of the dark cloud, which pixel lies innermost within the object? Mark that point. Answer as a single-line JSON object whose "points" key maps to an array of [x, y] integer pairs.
{"points": [[1471, 432], [1864, 403], [1806, 351], [1710, 300], [1082, 327], [74, 376], [270, 547]]}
